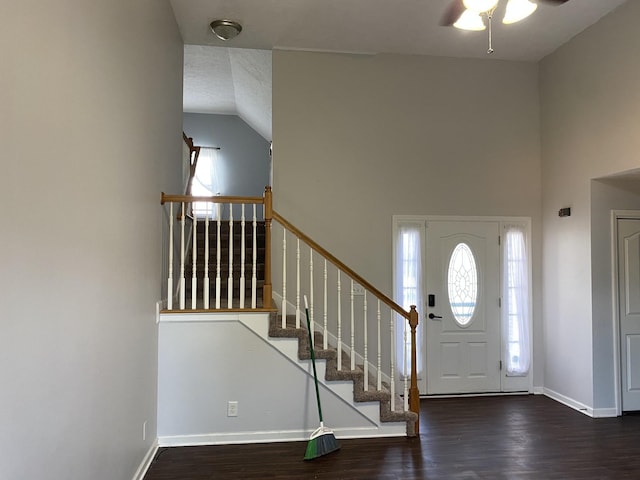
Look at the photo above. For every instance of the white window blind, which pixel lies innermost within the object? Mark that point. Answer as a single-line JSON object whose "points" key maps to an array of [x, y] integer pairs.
{"points": [[206, 182]]}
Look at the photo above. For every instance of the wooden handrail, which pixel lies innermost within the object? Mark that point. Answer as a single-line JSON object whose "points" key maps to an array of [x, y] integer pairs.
{"points": [[412, 315], [187, 140], [193, 161], [214, 199], [315, 246]]}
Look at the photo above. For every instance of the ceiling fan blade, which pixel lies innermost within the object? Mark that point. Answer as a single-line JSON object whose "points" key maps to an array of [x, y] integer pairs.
{"points": [[554, 2], [452, 14]]}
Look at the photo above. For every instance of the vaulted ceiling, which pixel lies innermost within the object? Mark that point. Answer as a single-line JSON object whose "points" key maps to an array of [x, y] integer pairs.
{"points": [[235, 77]]}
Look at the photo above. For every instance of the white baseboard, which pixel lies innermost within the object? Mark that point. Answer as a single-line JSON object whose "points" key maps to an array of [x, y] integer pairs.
{"points": [[146, 462], [605, 412], [271, 436], [569, 402], [579, 406], [538, 390]]}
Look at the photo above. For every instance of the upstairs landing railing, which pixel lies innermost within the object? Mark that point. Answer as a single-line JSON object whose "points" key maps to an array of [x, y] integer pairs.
{"points": [[354, 317], [178, 208]]}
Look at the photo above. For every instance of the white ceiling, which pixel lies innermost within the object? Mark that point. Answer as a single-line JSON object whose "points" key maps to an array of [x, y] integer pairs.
{"points": [[230, 81]]}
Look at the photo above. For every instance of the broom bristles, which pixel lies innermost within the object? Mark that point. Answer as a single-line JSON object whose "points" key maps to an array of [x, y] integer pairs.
{"points": [[322, 442]]}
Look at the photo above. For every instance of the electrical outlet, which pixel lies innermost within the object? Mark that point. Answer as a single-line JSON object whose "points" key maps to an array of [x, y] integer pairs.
{"points": [[144, 430], [232, 408], [358, 289]]}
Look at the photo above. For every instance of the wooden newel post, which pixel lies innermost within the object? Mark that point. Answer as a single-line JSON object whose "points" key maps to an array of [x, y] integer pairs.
{"points": [[414, 394], [267, 289]]}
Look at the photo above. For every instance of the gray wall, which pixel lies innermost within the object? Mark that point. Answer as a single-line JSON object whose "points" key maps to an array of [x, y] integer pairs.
{"points": [[606, 195], [358, 139], [91, 134], [201, 369], [245, 165], [589, 108]]}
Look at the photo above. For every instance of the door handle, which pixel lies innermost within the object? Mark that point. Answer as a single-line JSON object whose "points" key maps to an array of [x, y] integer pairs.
{"points": [[433, 317]]}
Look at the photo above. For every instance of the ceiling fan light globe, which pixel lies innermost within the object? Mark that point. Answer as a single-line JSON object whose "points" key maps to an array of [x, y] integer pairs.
{"points": [[470, 21], [480, 6], [518, 10]]}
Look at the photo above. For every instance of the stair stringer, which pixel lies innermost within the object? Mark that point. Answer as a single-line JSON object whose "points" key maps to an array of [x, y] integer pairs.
{"points": [[293, 344]]}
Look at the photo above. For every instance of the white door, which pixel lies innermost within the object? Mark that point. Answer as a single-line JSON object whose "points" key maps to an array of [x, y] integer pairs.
{"points": [[629, 310], [463, 313]]}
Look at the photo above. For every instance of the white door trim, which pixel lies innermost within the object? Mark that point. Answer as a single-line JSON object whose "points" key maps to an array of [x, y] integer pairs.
{"points": [[476, 218], [615, 292]]}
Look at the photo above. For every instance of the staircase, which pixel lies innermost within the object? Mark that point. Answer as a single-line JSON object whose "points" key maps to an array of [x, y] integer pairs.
{"points": [[332, 374], [358, 330], [362, 399]]}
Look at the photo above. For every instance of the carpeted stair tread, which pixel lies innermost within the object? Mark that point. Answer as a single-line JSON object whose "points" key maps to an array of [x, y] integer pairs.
{"points": [[333, 374]]}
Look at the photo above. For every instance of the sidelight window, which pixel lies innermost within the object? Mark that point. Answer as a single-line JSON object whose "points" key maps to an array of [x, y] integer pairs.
{"points": [[516, 300], [409, 289]]}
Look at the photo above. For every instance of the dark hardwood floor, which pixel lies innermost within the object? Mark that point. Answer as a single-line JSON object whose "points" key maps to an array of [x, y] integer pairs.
{"points": [[514, 437]]}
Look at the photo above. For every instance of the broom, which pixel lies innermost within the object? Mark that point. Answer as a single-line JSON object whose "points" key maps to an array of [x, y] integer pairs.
{"points": [[322, 441]]}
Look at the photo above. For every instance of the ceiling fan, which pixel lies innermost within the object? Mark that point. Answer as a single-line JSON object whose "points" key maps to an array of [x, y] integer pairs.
{"points": [[468, 14]]}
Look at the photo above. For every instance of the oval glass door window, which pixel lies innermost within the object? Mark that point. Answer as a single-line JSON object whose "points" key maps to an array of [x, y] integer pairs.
{"points": [[462, 280]]}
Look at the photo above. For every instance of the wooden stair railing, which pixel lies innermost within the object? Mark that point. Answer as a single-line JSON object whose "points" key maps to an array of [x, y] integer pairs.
{"points": [[184, 202], [411, 316]]}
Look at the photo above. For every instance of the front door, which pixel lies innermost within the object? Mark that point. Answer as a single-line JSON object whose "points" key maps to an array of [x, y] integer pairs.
{"points": [[463, 312], [629, 310]]}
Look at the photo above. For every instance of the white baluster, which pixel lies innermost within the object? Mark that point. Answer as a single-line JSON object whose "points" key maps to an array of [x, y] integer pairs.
{"points": [[230, 278], [325, 332], [242, 256], [284, 277], [353, 329], [170, 279], [339, 322], [182, 248], [393, 363], [254, 276], [379, 382], [218, 254], [298, 283], [366, 342], [194, 255], [205, 287], [311, 316]]}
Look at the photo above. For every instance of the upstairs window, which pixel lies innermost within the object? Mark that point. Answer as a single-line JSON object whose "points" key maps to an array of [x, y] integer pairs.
{"points": [[206, 182]]}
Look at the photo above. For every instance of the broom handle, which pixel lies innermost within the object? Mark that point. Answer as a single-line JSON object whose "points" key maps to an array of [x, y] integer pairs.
{"points": [[313, 358]]}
